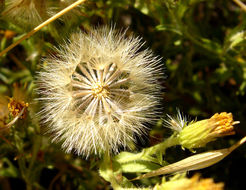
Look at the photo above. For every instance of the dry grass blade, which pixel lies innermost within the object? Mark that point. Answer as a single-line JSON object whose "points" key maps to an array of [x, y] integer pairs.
{"points": [[11, 123], [198, 161]]}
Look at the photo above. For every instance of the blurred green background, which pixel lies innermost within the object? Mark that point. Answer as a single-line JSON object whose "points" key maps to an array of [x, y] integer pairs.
{"points": [[202, 44]]}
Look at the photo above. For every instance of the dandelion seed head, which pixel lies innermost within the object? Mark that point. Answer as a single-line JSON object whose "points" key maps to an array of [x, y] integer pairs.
{"points": [[26, 13], [99, 91]]}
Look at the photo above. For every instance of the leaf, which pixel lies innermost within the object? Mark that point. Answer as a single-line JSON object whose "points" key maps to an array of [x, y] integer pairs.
{"points": [[125, 157], [235, 36], [142, 6], [138, 166], [168, 27], [8, 169], [211, 45]]}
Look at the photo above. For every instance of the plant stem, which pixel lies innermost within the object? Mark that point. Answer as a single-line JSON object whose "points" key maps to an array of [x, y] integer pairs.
{"points": [[106, 171], [146, 154], [36, 29], [161, 147], [240, 4], [36, 147]]}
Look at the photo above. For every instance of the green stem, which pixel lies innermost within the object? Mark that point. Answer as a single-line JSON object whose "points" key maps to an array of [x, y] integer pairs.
{"points": [[22, 166], [23, 169], [36, 147], [146, 154], [161, 147], [106, 171]]}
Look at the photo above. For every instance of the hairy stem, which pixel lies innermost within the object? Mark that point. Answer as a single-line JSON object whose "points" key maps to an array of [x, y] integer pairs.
{"points": [[161, 147], [106, 171], [147, 153]]}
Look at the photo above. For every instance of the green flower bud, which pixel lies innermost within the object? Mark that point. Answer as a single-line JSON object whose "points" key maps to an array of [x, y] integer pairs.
{"points": [[198, 134]]}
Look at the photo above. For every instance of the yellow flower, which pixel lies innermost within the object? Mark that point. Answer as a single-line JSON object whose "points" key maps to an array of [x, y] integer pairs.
{"points": [[98, 91], [199, 133], [15, 107], [18, 102], [180, 182]]}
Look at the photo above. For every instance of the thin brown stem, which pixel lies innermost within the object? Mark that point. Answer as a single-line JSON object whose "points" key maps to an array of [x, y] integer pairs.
{"points": [[16, 61], [240, 4]]}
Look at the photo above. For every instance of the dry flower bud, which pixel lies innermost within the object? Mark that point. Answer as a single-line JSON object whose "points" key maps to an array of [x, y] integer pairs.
{"points": [[15, 107]]}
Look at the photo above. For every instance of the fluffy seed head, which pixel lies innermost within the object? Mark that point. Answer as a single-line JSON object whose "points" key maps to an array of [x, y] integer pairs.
{"points": [[98, 91], [25, 12]]}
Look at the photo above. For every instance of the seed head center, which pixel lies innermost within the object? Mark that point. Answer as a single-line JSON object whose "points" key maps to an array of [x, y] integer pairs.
{"points": [[100, 90]]}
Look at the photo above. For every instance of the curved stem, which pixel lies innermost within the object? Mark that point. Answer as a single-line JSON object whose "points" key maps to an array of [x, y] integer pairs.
{"points": [[146, 154], [240, 4], [161, 147]]}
